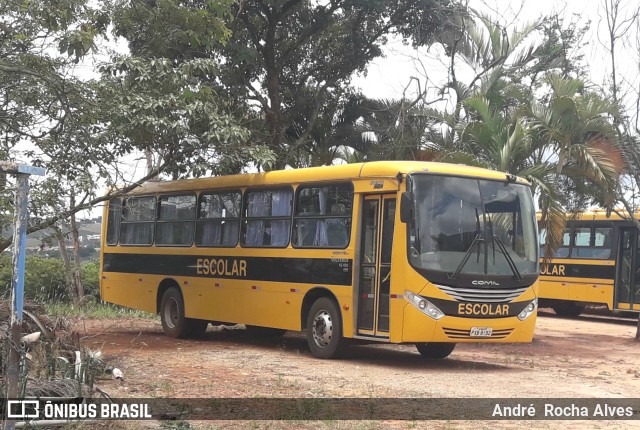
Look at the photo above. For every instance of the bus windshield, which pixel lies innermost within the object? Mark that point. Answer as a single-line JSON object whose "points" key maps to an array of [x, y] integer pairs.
{"points": [[473, 227]]}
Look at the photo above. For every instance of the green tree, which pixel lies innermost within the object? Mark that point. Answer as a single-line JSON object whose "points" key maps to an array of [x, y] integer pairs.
{"points": [[288, 64], [91, 279], [40, 98], [44, 278], [155, 104], [81, 129]]}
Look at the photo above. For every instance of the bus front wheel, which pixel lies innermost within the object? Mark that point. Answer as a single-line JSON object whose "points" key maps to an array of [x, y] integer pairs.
{"points": [[172, 316], [435, 350], [324, 329]]}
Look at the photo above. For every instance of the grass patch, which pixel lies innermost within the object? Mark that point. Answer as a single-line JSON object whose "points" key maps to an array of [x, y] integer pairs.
{"points": [[93, 310]]}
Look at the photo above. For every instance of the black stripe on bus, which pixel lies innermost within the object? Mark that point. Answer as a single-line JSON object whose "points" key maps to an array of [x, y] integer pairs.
{"points": [[324, 271], [563, 270]]}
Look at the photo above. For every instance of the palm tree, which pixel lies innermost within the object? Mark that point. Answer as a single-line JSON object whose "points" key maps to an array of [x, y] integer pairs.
{"points": [[496, 122], [574, 132], [372, 129]]}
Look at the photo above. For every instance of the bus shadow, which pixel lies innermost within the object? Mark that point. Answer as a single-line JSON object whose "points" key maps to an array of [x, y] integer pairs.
{"points": [[403, 357], [406, 357]]}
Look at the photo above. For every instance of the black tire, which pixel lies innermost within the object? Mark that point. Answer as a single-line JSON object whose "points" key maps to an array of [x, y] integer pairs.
{"points": [[435, 350], [172, 316], [261, 332], [568, 309], [324, 329]]}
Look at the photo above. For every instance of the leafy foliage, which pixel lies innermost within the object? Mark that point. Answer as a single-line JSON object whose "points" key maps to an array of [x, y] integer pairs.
{"points": [[81, 129], [288, 64], [156, 104], [45, 279], [41, 101]]}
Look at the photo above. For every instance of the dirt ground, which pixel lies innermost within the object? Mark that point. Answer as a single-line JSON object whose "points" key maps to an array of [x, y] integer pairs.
{"points": [[589, 356]]}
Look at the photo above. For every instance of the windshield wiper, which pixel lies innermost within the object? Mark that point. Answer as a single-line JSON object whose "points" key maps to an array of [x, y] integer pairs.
{"points": [[476, 240], [507, 256]]}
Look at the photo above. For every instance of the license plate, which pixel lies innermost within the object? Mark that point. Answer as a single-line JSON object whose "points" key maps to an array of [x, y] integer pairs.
{"points": [[481, 332]]}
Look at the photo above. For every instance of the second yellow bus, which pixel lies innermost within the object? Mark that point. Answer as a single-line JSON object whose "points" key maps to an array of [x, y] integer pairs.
{"points": [[596, 264]]}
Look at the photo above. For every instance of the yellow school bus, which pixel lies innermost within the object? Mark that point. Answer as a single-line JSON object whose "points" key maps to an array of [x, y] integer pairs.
{"points": [[391, 251], [596, 264]]}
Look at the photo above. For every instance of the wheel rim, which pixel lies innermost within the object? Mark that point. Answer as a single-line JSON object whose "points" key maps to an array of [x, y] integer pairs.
{"points": [[171, 312], [322, 329]]}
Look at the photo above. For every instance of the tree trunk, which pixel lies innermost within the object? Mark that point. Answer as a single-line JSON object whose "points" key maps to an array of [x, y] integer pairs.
{"points": [[68, 271], [149, 157], [77, 270]]}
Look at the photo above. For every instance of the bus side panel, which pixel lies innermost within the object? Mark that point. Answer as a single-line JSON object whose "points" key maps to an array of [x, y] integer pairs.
{"points": [[553, 289], [210, 299], [600, 293], [597, 291], [265, 304], [126, 290], [258, 303]]}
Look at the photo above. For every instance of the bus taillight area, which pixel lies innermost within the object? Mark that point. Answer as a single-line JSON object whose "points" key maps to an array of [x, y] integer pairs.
{"points": [[427, 319]]}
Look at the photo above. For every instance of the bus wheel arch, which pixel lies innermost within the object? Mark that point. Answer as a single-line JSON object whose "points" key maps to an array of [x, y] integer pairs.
{"points": [[172, 313], [311, 296], [322, 319], [165, 284]]}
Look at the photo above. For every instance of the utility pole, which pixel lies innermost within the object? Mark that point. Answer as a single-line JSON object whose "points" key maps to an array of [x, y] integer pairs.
{"points": [[21, 217]]}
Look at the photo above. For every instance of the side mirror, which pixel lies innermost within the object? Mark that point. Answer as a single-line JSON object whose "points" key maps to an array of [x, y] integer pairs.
{"points": [[405, 207]]}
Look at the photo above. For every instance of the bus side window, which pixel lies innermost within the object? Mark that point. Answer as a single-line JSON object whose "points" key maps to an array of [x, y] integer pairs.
{"points": [[592, 243], [322, 216], [138, 217], [268, 218], [337, 229], [563, 250], [175, 220], [218, 221], [602, 242], [113, 220]]}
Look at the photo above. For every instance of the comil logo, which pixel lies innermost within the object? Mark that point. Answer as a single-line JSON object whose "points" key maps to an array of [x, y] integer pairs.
{"points": [[20, 409], [490, 283]]}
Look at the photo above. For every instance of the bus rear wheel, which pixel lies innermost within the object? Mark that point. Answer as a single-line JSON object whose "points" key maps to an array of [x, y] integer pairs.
{"points": [[435, 350], [172, 316], [324, 329], [568, 309]]}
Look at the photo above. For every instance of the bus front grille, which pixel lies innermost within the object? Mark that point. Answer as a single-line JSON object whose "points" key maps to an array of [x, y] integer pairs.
{"points": [[484, 295], [455, 333]]}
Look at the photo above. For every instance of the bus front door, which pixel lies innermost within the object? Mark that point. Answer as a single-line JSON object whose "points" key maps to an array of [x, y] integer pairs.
{"points": [[378, 216], [627, 287]]}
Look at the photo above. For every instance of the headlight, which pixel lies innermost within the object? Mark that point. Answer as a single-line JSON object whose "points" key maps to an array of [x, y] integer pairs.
{"points": [[423, 305], [526, 312]]}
